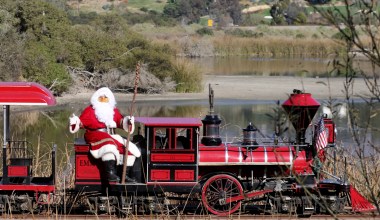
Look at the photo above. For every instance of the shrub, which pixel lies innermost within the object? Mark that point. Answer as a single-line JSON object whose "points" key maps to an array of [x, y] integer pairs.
{"points": [[244, 33], [83, 18], [301, 18], [300, 36], [144, 9], [341, 35], [315, 36], [205, 31], [188, 77]]}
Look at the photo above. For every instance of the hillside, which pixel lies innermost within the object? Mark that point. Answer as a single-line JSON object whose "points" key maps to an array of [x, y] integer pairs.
{"points": [[121, 5], [136, 5]]}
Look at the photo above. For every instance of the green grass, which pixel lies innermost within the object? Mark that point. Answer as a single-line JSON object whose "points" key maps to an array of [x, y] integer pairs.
{"points": [[265, 12], [156, 5]]}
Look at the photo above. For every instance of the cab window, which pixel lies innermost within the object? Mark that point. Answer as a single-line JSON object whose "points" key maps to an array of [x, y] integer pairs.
{"points": [[172, 138]]}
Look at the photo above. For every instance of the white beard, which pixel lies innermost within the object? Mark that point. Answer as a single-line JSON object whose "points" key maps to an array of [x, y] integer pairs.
{"points": [[104, 112]]}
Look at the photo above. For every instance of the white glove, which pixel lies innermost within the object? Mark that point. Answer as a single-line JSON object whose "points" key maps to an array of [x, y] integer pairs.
{"points": [[111, 124], [129, 120], [74, 123]]}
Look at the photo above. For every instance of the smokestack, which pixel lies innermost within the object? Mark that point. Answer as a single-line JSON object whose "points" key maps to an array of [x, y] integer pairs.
{"points": [[301, 109]]}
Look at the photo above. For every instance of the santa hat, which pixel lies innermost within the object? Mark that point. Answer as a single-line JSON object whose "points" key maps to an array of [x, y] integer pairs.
{"points": [[104, 91]]}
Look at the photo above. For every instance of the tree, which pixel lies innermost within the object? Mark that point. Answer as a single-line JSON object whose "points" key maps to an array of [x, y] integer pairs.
{"points": [[48, 47], [295, 13], [188, 10], [229, 8], [288, 12], [277, 11], [357, 23], [11, 46]]}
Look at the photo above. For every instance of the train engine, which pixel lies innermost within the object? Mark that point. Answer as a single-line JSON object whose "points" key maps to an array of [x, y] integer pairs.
{"points": [[269, 175]]}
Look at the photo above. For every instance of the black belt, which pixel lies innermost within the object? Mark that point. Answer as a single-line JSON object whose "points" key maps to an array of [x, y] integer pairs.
{"points": [[109, 130]]}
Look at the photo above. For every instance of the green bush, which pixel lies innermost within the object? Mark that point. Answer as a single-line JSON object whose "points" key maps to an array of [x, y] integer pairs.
{"points": [[82, 18], [205, 31], [244, 33], [144, 9], [301, 18], [300, 36], [315, 36], [342, 35], [254, 19]]}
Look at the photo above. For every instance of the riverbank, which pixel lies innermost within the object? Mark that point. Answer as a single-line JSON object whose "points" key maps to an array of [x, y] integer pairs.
{"points": [[244, 88]]}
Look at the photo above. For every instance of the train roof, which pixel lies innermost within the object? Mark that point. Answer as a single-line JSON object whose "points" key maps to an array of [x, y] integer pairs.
{"points": [[25, 93], [169, 121]]}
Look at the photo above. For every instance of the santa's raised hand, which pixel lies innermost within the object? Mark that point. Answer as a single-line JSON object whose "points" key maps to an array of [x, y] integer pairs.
{"points": [[74, 123], [129, 124]]}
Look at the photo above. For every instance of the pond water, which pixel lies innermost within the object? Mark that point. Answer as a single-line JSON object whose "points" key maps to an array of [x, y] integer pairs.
{"points": [[50, 126]]}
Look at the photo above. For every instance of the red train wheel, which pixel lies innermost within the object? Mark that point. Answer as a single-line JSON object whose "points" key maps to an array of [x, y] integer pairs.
{"points": [[216, 190]]}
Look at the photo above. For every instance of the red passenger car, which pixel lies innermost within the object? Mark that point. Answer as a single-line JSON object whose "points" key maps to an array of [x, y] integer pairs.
{"points": [[19, 189]]}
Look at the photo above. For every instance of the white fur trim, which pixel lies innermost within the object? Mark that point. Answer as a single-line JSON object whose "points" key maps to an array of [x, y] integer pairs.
{"points": [[134, 149], [130, 160], [106, 149], [131, 148], [107, 157], [103, 91], [119, 138]]}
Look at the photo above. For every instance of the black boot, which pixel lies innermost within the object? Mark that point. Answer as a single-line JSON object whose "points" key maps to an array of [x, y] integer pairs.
{"points": [[129, 179], [136, 170], [110, 166]]}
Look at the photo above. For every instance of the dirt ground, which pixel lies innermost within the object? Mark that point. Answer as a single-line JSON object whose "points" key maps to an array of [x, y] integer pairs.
{"points": [[245, 88]]}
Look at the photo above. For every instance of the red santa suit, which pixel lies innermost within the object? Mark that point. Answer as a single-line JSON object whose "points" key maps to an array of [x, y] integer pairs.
{"points": [[100, 118], [96, 131]]}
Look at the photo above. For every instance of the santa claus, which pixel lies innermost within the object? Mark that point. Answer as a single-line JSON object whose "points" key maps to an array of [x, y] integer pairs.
{"points": [[100, 120]]}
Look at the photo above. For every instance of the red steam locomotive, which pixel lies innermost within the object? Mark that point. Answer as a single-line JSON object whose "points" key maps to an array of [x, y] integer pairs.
{"points": [[184, 169]]}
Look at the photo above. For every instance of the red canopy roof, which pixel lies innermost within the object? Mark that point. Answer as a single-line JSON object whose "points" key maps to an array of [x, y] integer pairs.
{"points": [[25, 93]]}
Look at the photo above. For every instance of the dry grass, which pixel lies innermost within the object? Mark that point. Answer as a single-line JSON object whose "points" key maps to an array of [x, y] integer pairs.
{"points": [[269, 42], [363, 174], [189, 75], [275, 47]]}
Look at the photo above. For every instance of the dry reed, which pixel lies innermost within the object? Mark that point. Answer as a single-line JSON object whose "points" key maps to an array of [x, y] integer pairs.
{"points": [[363, 174], [276, 47]]}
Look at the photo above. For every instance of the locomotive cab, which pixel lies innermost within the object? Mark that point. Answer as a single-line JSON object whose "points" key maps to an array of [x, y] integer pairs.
{"points": [[169, 156], [172, 149]]}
